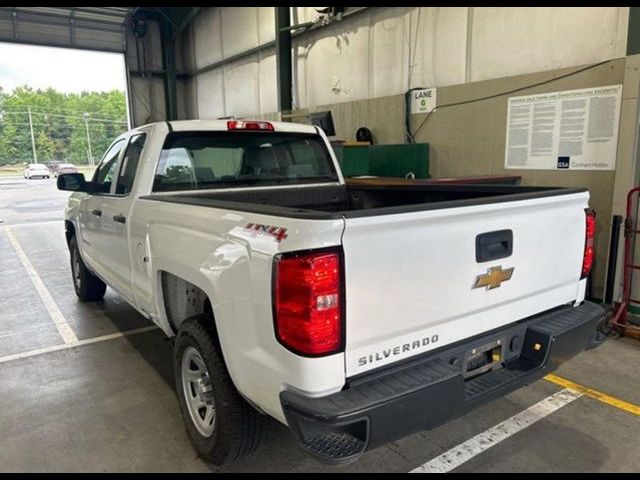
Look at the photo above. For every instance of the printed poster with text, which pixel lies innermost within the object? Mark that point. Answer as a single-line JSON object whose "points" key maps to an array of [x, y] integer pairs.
{"points": [[570, 130]]}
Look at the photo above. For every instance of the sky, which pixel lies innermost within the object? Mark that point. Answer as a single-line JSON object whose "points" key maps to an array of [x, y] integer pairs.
{"points": [[66, 70]]}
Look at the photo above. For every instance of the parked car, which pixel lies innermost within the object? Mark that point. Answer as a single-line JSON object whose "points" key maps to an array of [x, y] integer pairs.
{"points": [[63, 168], [36, 170], [52, 165], [353, 314]]}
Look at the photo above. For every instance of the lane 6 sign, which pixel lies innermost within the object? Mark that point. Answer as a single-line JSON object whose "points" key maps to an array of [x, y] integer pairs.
{"points": [[423, 101]]}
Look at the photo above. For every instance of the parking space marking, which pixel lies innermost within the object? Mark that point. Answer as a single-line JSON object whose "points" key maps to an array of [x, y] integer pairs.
{"points": [[52, 308], [466, 451], [79, 343], [39, 222], [590, 392]]}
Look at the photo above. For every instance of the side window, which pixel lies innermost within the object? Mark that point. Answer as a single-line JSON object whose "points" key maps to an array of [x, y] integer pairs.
{"points": [[106, 170], [130, 164]]}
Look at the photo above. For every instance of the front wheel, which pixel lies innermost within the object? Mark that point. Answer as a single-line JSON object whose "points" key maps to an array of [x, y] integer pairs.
{"points": [[222, 426], [88, 287]]}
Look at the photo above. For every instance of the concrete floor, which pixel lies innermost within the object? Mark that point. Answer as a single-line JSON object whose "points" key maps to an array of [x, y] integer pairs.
{"points": [[110, 405]]}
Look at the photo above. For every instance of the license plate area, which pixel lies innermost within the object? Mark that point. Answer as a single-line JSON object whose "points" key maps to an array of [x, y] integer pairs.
{"points": [[483, 359]]}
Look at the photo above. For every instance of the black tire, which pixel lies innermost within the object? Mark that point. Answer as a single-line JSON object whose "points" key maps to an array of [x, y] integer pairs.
{"points": [[237, 427], [88, 287]]}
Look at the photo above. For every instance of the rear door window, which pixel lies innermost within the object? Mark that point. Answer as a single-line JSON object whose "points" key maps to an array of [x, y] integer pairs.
{"points": [[105, 172], [130, 163]]}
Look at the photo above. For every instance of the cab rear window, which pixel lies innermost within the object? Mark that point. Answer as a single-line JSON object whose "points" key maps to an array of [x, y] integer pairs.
{"points": [[203, 160]]}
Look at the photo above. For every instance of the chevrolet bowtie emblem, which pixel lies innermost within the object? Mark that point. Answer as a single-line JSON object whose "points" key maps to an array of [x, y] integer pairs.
{"points": [[493, 278]]}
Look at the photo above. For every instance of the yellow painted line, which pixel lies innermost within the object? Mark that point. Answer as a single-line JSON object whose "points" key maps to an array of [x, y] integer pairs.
{"points": [[590, 392]]}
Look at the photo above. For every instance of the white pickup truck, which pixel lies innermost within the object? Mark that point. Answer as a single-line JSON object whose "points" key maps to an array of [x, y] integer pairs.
{"points": [[353, 315]]}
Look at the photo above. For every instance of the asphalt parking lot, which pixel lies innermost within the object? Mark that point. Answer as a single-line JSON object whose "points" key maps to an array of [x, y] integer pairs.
{"points": [[105, 402]]}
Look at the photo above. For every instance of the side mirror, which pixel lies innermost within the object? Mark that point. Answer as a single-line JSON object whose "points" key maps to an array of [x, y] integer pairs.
{"points": [[73, 182]]}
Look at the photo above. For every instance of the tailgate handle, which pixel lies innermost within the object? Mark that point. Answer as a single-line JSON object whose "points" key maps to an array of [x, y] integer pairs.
{"points": [[494, 245]]}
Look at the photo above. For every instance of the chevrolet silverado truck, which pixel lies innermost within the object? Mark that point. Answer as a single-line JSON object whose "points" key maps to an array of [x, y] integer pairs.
{"points": [[355, 315]]}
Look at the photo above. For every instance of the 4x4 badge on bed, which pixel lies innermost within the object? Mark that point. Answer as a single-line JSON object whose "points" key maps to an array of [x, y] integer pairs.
{"points": [[493, 278], [279, 233]]}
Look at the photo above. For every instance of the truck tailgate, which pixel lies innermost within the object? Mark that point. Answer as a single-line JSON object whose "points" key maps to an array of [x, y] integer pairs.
{"points": [[410, 276]]}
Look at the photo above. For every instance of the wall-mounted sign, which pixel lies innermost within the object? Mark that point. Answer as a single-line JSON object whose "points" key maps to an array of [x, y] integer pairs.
{"points": [[569, 130], [423, 101]]}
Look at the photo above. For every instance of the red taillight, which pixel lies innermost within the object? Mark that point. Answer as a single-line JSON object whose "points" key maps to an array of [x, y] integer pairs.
{"points": [[308, 302], [249, 125], [590, 232]]}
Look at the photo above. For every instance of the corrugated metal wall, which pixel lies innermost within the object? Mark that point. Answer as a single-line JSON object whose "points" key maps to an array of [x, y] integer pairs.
{"points": [[386, 50]]}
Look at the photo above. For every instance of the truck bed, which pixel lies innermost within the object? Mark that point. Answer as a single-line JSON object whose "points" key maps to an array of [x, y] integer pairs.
{"points": [[350, 201]]}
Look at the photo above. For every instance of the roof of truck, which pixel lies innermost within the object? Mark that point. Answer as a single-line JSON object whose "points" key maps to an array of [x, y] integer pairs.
{"points": [[221, 125]]}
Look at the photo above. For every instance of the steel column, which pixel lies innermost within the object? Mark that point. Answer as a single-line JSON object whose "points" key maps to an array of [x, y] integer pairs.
{"points": [[169, 67], [633, 32], [283, 58]]}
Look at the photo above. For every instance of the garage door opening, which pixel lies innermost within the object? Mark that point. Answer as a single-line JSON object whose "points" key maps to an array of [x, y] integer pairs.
{"points": [[59, 106]]}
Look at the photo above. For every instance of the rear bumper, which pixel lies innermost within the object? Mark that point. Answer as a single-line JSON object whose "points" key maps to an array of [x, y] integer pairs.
{"points": [[384, 406]]}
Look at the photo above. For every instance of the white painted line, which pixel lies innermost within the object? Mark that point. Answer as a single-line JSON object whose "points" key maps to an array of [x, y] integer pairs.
{"points": [[42, 222], [466, 451], [52, 308], [79, 343]]}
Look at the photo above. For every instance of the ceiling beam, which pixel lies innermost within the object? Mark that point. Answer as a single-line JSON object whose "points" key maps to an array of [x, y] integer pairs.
{"points": [[186, 20]]}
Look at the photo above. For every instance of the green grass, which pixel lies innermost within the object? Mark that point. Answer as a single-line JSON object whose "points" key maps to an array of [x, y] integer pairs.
{"points": [[11, 170]]}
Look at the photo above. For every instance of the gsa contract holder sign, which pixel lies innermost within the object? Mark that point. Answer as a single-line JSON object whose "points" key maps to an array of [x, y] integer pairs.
{"points": [[568, 130]]}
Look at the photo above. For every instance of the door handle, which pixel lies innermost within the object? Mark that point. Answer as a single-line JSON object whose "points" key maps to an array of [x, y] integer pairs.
{"points": [[120, 218], [97, 212], [494, 245]]}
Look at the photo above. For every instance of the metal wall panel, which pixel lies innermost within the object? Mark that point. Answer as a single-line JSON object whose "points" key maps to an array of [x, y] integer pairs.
{"points": [[546, 38], [268, 89], [239, 29], [147, 97], [438, 46], [242, 93], [210, 95], [208, 36], [385, 50], [266, 22], [334, 63]]}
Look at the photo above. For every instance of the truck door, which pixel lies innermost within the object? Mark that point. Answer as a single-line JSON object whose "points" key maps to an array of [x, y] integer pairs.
{"points": [[92, 210], [116, 218]]}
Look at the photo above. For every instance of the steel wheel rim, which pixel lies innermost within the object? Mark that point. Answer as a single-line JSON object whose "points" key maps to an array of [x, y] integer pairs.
{"points": [[75, 266], [198, 392]]}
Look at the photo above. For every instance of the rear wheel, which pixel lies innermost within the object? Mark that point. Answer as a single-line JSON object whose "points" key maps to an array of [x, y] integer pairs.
{"points": [[88, 287], [222, 426]]}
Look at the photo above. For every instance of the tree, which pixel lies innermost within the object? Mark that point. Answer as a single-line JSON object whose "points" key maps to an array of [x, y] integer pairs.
{"points": [[58, 124]]}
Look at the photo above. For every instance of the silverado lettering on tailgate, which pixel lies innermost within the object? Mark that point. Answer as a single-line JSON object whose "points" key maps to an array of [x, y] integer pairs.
{"points": [[397, 350]]}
